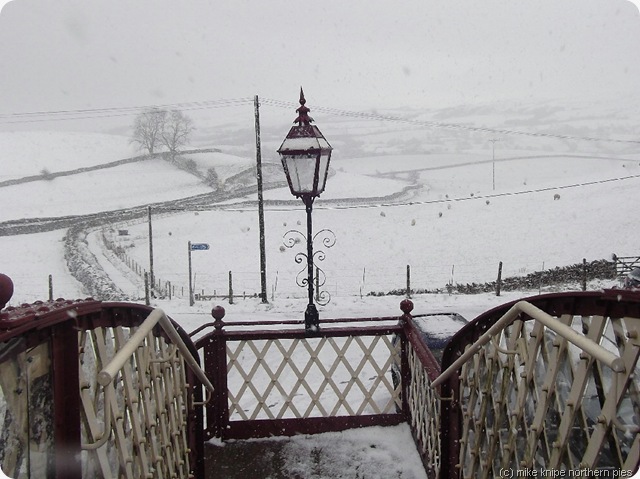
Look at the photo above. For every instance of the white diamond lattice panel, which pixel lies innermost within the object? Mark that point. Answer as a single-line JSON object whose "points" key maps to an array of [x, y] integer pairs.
{"points": [[144, 407], [311, 377], [531, 399]]}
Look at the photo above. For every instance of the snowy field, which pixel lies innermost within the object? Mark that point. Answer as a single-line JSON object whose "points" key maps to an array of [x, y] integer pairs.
{"points": [[440, 201], [437, 212]]}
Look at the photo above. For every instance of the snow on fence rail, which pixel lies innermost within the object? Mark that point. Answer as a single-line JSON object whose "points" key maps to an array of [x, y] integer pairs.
{"points": [[354, 372]]}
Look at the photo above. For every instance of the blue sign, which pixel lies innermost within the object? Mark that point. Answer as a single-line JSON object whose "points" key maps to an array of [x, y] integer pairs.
{"points": [[199, 246]]}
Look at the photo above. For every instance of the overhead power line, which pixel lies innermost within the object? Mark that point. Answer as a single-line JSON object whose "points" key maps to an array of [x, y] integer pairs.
{"points": [[95, 113], [451, 126], [295, 206], [89, 113]]}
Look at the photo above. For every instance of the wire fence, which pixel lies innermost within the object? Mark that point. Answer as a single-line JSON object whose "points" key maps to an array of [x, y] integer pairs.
{"points": [[343, 283], [353, 281]]}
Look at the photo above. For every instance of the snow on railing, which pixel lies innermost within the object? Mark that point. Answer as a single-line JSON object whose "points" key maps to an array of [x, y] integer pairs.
{"points": [[282, 381]]}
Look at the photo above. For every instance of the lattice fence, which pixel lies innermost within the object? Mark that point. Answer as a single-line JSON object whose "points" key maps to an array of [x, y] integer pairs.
{"points": [[424, 413], [272, 378], [135, 426], [530, 399], [311, 377], [91, 389]]}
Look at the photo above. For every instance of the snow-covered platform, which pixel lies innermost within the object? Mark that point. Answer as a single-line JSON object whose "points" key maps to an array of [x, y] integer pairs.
{"points": [[371, 452]]}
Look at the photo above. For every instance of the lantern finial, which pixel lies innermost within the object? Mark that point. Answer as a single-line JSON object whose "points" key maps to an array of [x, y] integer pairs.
{"points": [[303, 117]]}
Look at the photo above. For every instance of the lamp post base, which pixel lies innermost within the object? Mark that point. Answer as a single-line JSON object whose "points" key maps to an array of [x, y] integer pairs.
{"points": [[311, 319]]}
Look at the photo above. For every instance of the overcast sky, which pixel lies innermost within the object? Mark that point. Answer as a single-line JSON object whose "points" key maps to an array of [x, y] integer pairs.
{"points": [[356, 54]]}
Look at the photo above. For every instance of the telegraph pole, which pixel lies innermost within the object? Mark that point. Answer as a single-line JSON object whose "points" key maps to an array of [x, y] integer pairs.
{"points": [[263, 256], [151, 275]]}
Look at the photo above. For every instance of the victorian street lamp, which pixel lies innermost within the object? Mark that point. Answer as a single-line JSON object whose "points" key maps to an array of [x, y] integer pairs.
{"points": [[305, 155]]}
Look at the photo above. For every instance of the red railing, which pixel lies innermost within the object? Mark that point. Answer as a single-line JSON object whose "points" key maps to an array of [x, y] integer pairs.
{"points": [[533, 398], [275, 379], [272, 378], [51, 405]]}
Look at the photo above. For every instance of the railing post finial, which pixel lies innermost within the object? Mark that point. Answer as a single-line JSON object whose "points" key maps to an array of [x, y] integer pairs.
{"points": [[406, 306], [218, 313], [6, 290]]}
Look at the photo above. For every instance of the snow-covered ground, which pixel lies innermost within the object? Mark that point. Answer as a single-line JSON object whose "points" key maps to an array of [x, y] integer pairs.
{"points": [[555, 202], [28, 153], [372, 452], [437, 212]]}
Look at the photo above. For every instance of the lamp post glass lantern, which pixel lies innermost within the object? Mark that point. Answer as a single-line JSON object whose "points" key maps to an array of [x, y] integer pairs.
{"points": [[305, 154]]}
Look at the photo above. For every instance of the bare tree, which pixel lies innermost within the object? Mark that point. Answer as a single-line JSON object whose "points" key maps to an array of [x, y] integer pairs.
{"points": [[147, 129], [176, 131]]}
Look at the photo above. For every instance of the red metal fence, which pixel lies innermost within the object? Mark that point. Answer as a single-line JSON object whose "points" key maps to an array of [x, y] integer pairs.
{"points": [[56, 422], [552, 382], [275, 379]]}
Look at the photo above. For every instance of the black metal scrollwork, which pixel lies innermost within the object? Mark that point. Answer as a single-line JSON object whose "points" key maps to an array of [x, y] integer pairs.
{"points": [[327, 239]]}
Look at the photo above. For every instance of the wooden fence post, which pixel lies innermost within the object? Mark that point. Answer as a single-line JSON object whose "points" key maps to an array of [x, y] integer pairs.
{"points": [[584, 274], [50, 287], [408, 281], [499, 281], [230, 288]]}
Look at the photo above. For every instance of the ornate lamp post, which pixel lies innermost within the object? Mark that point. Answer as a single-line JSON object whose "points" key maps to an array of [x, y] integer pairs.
{"points": [[305, 155]]}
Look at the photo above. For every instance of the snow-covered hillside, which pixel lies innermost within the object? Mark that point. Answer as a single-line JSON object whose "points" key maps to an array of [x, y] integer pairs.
{"points": [[555, 202], [32, 152], [423, 203]]}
